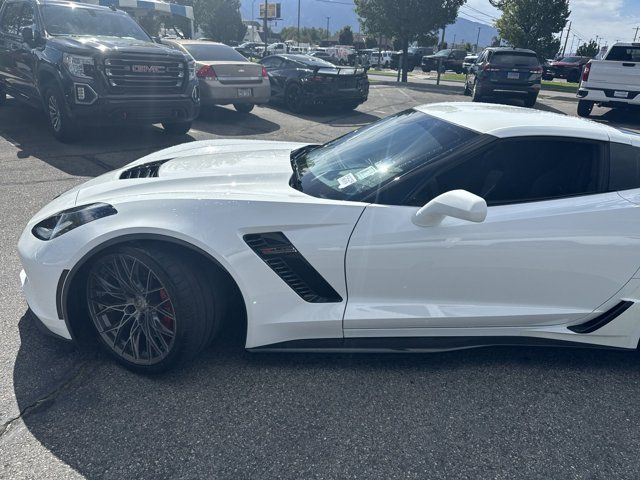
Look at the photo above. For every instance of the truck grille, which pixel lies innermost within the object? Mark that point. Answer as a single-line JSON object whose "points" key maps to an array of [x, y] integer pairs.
{"points": [[135, 74]]}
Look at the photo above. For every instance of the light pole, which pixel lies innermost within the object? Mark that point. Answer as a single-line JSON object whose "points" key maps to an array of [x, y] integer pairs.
{"points": [[253, 10], [298, 35], [478, 38], [328, 18]]}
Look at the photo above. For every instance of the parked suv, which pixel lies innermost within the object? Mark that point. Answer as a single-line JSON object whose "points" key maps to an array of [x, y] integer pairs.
{"points": [[505, 72], [90, 65], [449, 59], [414, 57]]}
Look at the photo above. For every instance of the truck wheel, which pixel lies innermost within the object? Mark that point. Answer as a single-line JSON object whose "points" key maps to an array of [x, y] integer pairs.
{"points": [[531, 100], [584, 108], [178, 128], [62, 127], [243, 107]]}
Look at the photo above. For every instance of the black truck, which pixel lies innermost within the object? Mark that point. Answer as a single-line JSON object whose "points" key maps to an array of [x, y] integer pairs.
{"points": [[87, 65]]}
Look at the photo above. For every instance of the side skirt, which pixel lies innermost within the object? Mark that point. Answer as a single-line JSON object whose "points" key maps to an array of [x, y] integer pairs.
{"points": [[416, 344]]}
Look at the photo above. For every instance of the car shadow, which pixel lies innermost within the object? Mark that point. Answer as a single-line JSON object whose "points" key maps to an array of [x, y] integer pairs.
{"points": [[95, 151], [225, 121], [234, 414], [619, 117], [330, 115]]}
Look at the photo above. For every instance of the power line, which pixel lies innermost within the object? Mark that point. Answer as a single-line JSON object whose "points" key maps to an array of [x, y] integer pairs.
{"points": [[478, 11], [480, 20]]}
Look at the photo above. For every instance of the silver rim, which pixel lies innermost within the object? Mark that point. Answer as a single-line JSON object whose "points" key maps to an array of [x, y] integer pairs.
{"points": [[131, 309], [54, 113]]}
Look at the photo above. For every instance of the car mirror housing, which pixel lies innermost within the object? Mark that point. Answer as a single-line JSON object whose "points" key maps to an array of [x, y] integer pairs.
{"points": [[456, 204]]}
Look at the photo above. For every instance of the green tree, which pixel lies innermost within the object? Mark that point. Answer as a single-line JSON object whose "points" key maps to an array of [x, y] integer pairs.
{"points": [[532, 24], [345, 36], [588, 49], [220, 19], [406, 20], [370, 42], [496, 41]]}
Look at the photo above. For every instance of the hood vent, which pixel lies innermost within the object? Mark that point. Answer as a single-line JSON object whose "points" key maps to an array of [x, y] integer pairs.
{"points": [[146, 170]]}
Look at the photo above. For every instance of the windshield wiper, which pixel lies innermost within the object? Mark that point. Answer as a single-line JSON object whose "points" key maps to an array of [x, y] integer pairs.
{"points": [[298, 159]]}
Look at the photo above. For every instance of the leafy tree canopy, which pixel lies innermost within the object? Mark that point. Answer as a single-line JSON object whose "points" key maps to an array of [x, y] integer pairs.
{"points": [[220, 19], [588, 49], [345, 36], [532, 24]]}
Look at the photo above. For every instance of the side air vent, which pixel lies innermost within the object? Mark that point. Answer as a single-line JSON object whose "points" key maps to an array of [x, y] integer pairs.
{"points": [[275, 249], [146, 170], [601, 320]]}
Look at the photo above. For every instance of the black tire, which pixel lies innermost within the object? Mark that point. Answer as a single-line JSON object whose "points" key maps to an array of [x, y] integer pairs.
{"points": [[467, 90], [531, 100], [573, 76], [475, 93], [425, 70], [293, 97], [60, 124], [243, 107], [350, 106], [585, 108], [188, 307], [177, 128]]}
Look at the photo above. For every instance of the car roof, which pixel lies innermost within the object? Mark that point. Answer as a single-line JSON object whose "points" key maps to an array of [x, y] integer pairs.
{"points": [[505, 121], [306, 59], [193, 42], [76, 5], [509, 49]]}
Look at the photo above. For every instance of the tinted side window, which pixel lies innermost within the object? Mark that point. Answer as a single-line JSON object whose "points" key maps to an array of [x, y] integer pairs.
{"points": [[273, 62], [11, 19], [624, 167], [26, 18], [524, 171]]}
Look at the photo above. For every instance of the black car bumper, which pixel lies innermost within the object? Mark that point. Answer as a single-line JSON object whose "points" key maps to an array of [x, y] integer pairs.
{"points": [[336, 96], [96, 109], [509, 88]]}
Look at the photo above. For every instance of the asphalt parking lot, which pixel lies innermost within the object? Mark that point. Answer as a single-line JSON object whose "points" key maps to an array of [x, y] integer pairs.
{"points": [[483, 413]]}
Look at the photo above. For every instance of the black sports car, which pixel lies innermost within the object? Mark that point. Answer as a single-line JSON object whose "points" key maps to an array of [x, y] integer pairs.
{"points": [[300, 81]]}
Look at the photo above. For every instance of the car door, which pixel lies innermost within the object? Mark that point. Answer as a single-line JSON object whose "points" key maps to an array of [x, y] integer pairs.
{"points": [[472, 72], [554, 246], [10, 42], [24, 58]]}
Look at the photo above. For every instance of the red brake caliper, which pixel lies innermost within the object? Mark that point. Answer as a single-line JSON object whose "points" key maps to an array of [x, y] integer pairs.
{"points": [[166, 320]]}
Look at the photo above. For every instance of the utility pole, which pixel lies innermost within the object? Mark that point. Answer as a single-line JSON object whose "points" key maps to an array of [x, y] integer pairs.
{"points": [[264, 27], [478, 38], [636, 35], [566, 40], [454, 40], [298, 36], [573, 39], [442, 41], [328, 18]]}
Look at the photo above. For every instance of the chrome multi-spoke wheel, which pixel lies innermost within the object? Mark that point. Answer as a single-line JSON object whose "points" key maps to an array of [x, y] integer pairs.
{"points": [[131, 309], [54, 113]]}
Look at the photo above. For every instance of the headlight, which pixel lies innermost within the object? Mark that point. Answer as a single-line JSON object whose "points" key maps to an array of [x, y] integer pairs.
{"points": [[78, 66], [67, 220], [192, 70]]}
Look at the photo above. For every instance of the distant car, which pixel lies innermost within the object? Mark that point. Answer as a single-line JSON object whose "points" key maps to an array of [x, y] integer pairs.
{"points": [[323, 56], [447, 59], [302, 80], [414, 57], [569, 68], [225, 76], [277, 48], [250, 49], [505, 72], [468, 61]]}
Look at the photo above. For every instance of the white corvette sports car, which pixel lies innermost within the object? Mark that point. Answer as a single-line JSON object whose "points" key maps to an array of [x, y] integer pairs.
{"points": [[444, 226]]}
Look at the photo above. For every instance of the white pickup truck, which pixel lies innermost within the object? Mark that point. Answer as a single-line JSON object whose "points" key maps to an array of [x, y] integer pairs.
{"points": [[612, 82]]}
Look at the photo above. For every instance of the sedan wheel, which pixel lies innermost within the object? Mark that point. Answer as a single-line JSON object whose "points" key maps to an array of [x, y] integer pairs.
{"points": [[150, 309]]}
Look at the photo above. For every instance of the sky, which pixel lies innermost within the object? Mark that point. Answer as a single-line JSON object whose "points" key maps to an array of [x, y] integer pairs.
{"points": [[610, 19]]}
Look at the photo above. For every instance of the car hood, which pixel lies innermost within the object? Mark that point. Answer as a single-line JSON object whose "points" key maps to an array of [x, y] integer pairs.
{"points": [[105, 45], [215, 168]]}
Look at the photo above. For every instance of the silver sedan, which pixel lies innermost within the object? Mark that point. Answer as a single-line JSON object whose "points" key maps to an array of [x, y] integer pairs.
{"points": [[226, 77]]}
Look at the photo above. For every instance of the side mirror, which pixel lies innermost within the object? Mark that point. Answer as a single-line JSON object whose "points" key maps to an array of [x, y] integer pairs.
{"points": [[27, 35], [456, 204]]}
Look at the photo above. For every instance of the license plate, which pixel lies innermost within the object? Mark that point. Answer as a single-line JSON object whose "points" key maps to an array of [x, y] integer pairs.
{"points": [[244, 92], [513, 75], [620, 94]]}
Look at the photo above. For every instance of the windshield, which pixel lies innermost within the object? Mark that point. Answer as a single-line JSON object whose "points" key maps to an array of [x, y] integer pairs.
{"points": [[73, 20], [443, 53], [213, 52], [357, 164]]}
